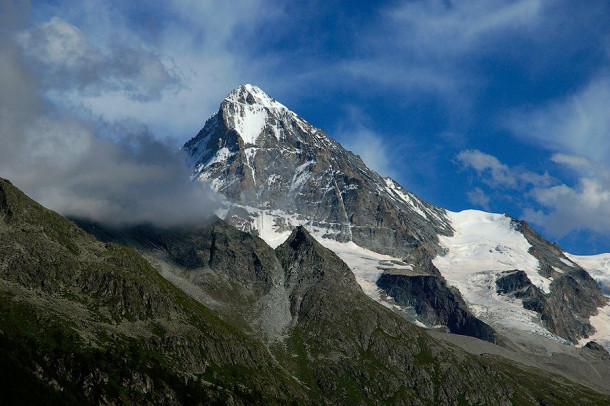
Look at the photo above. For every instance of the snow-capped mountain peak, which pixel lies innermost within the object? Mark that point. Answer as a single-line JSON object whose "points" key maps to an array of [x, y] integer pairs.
{"points": [[260, 155], [249, 111], [278, 172], [253, 95]]}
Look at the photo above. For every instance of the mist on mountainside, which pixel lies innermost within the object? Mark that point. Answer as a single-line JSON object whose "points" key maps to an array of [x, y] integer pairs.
{"points": [[78, 164]]}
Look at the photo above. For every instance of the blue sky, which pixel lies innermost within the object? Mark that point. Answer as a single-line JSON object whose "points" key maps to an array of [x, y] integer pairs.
{"points": [[489, 104]]}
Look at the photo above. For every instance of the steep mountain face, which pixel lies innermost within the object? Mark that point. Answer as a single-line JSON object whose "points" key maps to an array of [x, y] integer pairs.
{"points": [[435, 303], [278, 172], [598, 266], [234, 273], [574, 295], [276, 168]]}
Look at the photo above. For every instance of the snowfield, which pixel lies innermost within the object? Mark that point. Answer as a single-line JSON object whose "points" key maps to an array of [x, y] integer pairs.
{"points": [[482, 247], [486, 242]]}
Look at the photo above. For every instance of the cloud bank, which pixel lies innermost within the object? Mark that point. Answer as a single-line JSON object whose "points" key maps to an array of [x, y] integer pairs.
{"points": [[113, 172], [563, 209]]}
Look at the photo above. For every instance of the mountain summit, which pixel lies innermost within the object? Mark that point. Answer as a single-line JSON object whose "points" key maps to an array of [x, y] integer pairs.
{"points": [[279, 171], [466, 271]]}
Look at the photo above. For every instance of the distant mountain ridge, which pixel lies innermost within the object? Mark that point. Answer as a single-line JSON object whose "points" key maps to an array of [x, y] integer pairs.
{"points": [[278, 172]]}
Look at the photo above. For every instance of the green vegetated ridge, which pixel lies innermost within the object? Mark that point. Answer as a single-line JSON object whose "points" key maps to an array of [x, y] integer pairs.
{"points": [[84, 321]]}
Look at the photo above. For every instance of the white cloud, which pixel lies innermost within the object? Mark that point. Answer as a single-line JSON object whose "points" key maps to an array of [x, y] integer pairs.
{"points": [[576, 125], [356, 136], [574, 161], [567, 209], [59, 45], [500, 174], [495, 173], [66, 60], [479, 198], [585, 205]]}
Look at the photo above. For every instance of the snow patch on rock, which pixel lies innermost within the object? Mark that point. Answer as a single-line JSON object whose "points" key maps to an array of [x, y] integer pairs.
{"points": [[484, 245]]}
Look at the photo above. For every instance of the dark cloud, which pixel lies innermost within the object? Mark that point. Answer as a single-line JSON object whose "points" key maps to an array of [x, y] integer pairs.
{"points": [[111, 172]]}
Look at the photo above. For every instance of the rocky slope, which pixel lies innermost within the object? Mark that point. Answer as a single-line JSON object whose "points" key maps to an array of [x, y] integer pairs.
{"points": [[303, 302], [86, 322]]}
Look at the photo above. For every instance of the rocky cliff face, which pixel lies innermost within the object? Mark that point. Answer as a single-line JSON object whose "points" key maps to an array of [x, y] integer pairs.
{"points": [[262, 156], [435, 303], [574, 295]]}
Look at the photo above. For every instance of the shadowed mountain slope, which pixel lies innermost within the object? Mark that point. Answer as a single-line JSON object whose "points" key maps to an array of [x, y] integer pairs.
{"points": [[325, 332], [86, 322]]}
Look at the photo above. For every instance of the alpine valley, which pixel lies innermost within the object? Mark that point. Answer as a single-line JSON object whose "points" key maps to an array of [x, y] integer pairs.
{"points": [[319, 282]]}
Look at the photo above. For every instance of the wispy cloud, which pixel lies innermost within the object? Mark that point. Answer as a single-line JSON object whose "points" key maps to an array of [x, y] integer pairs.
{"points": [[576, 129], [428, 46], [573, 161], [444, 29], [479, 198], [578, 124], [496, 174], [358, 137]]}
